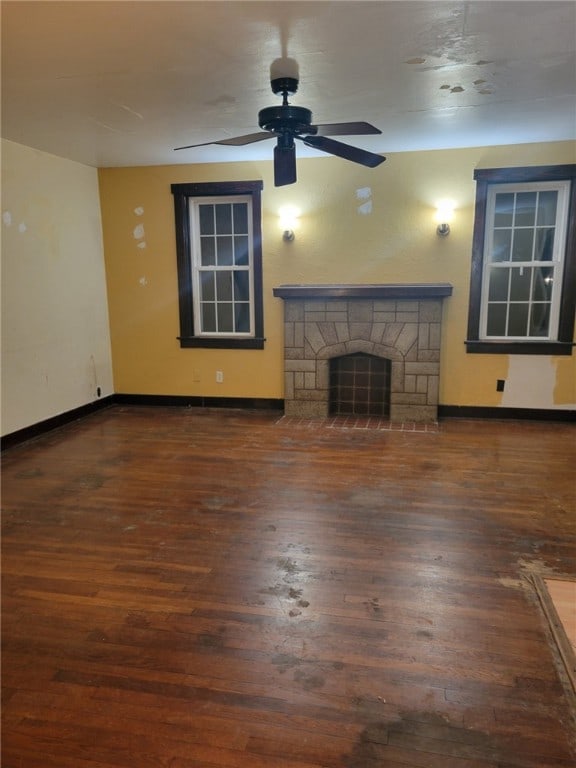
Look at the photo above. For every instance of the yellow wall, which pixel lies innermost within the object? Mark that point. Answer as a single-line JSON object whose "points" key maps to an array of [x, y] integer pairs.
{"points": [[357, 226]]}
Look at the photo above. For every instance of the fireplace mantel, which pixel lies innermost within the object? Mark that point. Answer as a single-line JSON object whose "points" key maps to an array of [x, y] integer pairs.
{"points": [[374, 291]]}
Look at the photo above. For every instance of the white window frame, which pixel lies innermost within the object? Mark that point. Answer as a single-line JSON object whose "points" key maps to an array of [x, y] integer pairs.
{"points": [[198, 268], [556, 264]]}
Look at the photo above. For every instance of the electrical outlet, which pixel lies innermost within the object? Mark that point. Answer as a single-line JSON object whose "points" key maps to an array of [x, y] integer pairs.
{"points": [[219, 377], [500, 385]]}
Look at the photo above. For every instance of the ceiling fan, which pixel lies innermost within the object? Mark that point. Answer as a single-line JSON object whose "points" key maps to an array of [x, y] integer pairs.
{"points": [[287, 122]]}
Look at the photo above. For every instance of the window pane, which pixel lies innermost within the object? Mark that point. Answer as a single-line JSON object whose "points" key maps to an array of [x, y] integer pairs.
{"points": [[240, 218], [518, 320], [539, 319], [225, 318], [242, 312], [525, 209], [224, 286], [224, 248], [206, 213], [544, 244], [241, 286], [522, 247], [547, 202], [520, 284], [207, 286], [496, 325], [498, 290], [208, 318], [501, 244], [241, 250], [223, 218], [504, 209], [208, 255]]}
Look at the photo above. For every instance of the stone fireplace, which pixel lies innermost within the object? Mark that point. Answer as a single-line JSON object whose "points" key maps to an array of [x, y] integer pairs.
{"points": [[400, 323]]}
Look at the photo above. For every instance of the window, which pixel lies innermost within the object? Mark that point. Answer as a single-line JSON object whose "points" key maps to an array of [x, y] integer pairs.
{"points": [[522, 291], [219, 257]]}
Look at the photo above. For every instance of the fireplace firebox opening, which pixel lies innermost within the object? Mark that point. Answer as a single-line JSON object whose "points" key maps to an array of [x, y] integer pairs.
{"points": [[360, 385]]}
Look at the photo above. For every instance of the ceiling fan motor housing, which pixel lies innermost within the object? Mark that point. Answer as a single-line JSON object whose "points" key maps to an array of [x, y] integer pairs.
{"points": [[286, 119]]}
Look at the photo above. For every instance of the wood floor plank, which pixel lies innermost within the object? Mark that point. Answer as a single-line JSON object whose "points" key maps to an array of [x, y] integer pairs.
{"points": [[193, 588]]}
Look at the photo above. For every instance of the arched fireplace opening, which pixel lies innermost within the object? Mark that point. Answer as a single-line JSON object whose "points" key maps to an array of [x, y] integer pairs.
{"points": [[359, 384]]}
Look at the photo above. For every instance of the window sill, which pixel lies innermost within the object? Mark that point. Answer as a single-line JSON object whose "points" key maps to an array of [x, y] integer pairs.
{"points": [[519, 347], [221, 343]]}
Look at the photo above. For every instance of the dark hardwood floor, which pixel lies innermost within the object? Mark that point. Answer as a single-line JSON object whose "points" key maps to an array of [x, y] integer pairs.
{"points": [[205, 589]]}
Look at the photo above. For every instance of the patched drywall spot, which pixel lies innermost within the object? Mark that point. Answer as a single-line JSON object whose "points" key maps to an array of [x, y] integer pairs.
{"points": [[22, 227], [138, 232], [529, 384], [142, 245], [139, 210], [7, 218], [364, 193], [143, 282]]}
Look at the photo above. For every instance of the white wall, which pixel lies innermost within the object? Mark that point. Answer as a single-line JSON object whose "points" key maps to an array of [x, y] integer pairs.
{"points": [[55, 332]]}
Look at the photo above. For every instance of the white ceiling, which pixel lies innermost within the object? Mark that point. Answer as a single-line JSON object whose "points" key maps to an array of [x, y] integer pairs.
{"points": [[123, 83]]}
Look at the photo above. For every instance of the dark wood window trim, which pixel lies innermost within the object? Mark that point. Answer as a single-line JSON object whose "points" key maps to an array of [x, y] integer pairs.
{"points": [[182, 193], [563, 346]]}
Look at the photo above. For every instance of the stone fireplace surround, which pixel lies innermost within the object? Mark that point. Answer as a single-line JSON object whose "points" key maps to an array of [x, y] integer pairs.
{"points": [[399, 322]]}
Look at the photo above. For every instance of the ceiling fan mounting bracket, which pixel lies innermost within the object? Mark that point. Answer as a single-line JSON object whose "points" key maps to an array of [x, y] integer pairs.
{"points": [[287, 86], [286, 119]]}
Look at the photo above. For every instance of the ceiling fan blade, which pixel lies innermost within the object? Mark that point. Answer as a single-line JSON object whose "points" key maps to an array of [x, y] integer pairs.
{"points": [[236, 141], [355, 154], [345, 129], [284, 164]]}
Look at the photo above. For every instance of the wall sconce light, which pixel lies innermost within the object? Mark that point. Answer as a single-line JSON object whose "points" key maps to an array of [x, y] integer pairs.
{"points": [[288, 219], [443, 217]]}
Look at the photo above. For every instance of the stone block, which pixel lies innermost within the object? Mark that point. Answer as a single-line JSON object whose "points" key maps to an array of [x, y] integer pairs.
{"points": [[289, 385], [293, 310], [306, 409], [423, 336], [300, 365], [310, 380], [335, 350], [314, 337], [416, 413], [430, 311], [435, 335], [408, 398], [407, 337], [360, 330], [422, 368], [360, 311], [428, 355], [293, 353], [328, 332], [342, 331], [433, 387]]}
